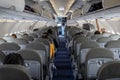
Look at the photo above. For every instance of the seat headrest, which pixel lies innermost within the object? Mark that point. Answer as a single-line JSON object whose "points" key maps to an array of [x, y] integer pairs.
{"points": [[13, 72]]}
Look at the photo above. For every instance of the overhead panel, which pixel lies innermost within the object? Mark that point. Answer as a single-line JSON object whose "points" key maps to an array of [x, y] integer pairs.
{"points": [[61, 6]]}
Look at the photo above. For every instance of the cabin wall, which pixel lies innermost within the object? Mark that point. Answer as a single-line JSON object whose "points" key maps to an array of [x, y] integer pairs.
{"points": [[51, 23], [72, 23], [40, 24], [17, 5], [93, 22], [37, 8], [110, 25], [12, 26], [46, 14], [6, 27], [77, 13]]}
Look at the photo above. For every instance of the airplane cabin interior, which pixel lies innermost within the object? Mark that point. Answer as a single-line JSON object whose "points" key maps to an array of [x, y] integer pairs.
{"points": [[59, 39]]}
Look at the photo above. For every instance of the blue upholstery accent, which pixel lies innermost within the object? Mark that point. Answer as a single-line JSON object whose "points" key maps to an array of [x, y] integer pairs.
{"points": [[63, 64]]}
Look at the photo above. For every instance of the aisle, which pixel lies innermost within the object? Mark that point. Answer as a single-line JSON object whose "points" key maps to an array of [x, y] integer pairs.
{"points": [[63, 64]]}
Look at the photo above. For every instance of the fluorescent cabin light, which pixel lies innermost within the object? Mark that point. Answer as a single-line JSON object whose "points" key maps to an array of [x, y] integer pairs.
{"points": [[59, 24], [61, 8]]}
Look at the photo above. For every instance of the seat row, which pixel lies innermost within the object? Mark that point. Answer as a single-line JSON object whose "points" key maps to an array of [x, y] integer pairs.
{"points": [[90, 55], [34, 48]]}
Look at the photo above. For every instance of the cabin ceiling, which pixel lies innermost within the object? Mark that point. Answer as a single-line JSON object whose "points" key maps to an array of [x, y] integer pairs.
{"points": [[60, 7]]}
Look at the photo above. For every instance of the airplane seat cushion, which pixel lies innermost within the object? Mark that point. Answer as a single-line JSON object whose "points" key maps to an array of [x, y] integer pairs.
{"points": [[114, 36], [9, 47], [96, 36], [2, 41], [2, 57], [109, 71], [21, 41], [95, 58], [114, 46], [9, 38], [13, 72], [39, 47], [33, 62], [85, 47]]}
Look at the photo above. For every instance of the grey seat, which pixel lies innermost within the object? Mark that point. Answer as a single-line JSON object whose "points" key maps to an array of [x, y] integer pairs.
{"points": [[114, 46], [89, 34], [33, 63], [9, 47], [13, 72], [77, 44], [103, 40], [39, 33], [96, 36], [29, 38], [71, 33], [74, 41], [33, 35], [46, 42], [109, 71], [106, 34], [9, 38], [114, 36], [2, 57], [21, 42], [19, 35], [84, 48], [41, 49], [2, 41], [95, 59]]}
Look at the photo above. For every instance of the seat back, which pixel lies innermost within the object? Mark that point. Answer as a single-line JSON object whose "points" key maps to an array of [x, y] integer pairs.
{"points": [[13, 72], [33, 63], [89, 34], [114, 46], [74, 41], [106, 34], [84, 48], [78, 43], [96, 36], [21, 42], [2, 57], [2, 41], [29, 38], [33, 35], [19, 35], [39, 47], [114, 36], [103, 40], [109, 71], [9, 38], [39, 33], [46, 42], [95, 59], [9, 47]]}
